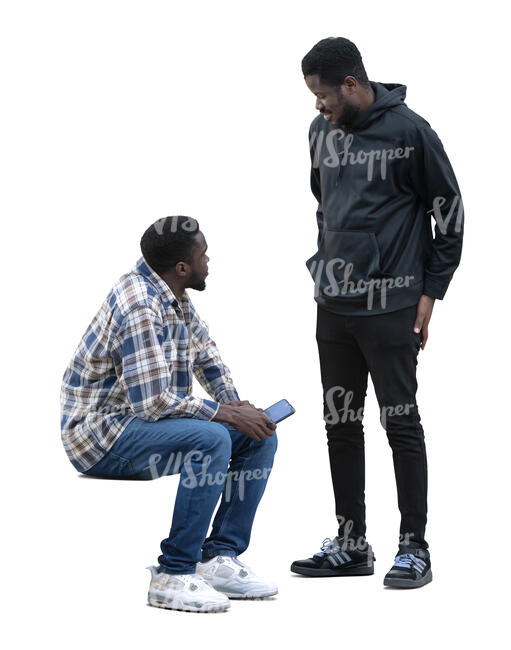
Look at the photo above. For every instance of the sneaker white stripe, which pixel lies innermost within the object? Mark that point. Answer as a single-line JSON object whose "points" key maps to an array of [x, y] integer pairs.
{"points": [[333, 561]]}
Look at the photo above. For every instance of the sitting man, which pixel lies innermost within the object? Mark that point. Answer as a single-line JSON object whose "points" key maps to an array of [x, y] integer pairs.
{"points": [[128, 413]]}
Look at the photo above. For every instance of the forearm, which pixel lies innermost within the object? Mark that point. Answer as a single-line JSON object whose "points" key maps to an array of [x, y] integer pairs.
{"points": [[169, 404], [443, 202], [227, 393]]}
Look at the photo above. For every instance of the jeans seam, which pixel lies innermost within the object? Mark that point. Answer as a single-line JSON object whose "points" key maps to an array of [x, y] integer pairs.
{"points": [[185, 517], [229, 509]]}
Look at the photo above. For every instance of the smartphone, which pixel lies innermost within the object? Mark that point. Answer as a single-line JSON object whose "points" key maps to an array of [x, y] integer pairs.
{"points": [[279, 411]]}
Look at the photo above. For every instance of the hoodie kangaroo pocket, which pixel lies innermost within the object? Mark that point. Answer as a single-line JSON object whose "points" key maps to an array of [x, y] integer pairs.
{"points": [[345, 262]]}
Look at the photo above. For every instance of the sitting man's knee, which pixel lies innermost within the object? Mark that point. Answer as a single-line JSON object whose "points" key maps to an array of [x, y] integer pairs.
{"points": [[215, 436], [272, 443]]}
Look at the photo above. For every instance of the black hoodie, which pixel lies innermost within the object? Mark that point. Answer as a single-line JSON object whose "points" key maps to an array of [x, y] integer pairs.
{"points": [[378, 182]]}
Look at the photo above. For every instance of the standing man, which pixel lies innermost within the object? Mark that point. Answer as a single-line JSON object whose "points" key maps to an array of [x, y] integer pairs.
{"points": [[128, 412], [379, 174]]}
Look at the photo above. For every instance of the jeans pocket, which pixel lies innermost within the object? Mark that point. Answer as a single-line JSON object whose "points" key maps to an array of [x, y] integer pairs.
{"points": [[124, 466]]}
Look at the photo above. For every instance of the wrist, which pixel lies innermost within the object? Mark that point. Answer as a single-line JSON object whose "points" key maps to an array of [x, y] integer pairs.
{"points": [[225, 413]]}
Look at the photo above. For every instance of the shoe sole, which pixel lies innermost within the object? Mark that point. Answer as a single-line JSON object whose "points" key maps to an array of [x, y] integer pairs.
{"points": [[355, 570], [207, 608], [403, 583], [251, 595]]}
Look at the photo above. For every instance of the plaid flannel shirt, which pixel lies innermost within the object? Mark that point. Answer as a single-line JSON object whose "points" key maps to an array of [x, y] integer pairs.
{"points": [[137, 359]]}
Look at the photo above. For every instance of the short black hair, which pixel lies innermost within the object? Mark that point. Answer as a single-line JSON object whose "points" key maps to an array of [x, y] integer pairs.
{"points": [[333, 59], [168, 241]]}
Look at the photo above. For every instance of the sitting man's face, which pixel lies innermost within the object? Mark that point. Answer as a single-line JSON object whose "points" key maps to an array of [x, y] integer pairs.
{"points": [[199, 265]]}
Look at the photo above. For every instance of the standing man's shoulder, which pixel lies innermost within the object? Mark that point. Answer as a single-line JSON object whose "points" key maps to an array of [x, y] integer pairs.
{"points": [[413, 124]]}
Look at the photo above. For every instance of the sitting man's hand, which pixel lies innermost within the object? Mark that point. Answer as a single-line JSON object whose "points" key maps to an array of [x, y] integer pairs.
{"points": [[240, 403], [246, 418]]}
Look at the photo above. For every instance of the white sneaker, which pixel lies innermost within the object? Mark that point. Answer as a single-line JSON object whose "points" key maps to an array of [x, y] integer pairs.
{"points": [[231, 577], [189, 593]]}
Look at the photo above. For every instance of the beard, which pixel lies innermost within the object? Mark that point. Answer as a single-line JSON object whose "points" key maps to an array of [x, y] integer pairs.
{"points": [[350, 112], [197, 281]]}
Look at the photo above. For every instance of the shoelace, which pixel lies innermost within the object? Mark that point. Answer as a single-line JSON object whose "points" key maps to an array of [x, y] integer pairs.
{"points": [[409, 561], [195, 582], [327, 546], [192, 581]]}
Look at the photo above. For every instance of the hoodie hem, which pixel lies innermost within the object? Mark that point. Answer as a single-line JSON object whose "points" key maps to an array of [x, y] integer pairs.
{"points": [[393, 300]]}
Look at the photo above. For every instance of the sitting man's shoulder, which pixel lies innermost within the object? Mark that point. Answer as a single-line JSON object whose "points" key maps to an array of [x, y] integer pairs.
{"points": [[133, 291]]}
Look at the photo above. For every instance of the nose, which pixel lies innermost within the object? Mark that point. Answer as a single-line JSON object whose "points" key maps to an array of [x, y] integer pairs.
{"points": [[319, 105]]}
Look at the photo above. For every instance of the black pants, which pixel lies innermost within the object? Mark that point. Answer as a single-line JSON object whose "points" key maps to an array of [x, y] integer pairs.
{"points": [[385, 346]]}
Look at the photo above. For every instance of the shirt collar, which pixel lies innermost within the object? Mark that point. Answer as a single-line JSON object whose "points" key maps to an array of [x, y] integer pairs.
{"points": [[143, 268]]}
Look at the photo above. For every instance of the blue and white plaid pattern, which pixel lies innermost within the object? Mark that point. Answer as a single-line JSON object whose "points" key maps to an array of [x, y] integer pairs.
{"points": [[137, 359]]}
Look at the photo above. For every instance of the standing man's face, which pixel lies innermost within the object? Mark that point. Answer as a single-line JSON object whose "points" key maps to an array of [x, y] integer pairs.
{"points": [[199, 264], [332, 101]]}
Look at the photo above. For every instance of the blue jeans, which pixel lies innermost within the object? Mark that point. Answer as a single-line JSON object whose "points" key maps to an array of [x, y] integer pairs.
{"points": [[212, 459]]}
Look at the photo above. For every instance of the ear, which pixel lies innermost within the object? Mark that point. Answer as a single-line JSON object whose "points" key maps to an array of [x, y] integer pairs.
{"points": [[350, 83], [181, 269]]}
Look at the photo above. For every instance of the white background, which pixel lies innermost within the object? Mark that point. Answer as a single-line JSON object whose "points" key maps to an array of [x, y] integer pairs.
{"points": [[115, 114]]}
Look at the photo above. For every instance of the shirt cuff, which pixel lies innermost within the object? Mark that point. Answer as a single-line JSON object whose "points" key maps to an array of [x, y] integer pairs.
{"points": [[207, 410], [433, 288]]}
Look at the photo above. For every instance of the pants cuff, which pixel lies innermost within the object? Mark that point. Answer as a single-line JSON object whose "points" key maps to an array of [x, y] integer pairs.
{"points": [[176, 572], [209, 555]]}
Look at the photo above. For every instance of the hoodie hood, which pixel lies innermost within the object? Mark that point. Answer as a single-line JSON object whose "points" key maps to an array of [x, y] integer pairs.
{"points": [[386, 96]]}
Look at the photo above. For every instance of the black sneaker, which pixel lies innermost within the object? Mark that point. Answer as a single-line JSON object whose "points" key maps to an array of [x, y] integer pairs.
{"points": [[337, 557], [412, 568]]}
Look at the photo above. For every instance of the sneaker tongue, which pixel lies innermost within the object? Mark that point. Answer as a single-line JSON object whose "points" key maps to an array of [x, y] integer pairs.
{"points": [[413, 549], [344, 543]]}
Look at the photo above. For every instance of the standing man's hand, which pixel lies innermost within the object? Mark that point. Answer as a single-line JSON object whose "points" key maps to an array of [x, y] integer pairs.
{"points": [[424, 311]]}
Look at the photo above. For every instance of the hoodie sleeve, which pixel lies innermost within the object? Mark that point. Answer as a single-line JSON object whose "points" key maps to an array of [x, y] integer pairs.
{"points": [[315, 180], [436, 183]]}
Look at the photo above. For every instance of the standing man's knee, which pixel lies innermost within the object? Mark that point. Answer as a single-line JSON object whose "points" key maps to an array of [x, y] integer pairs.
{"points": [[404, 432]]}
